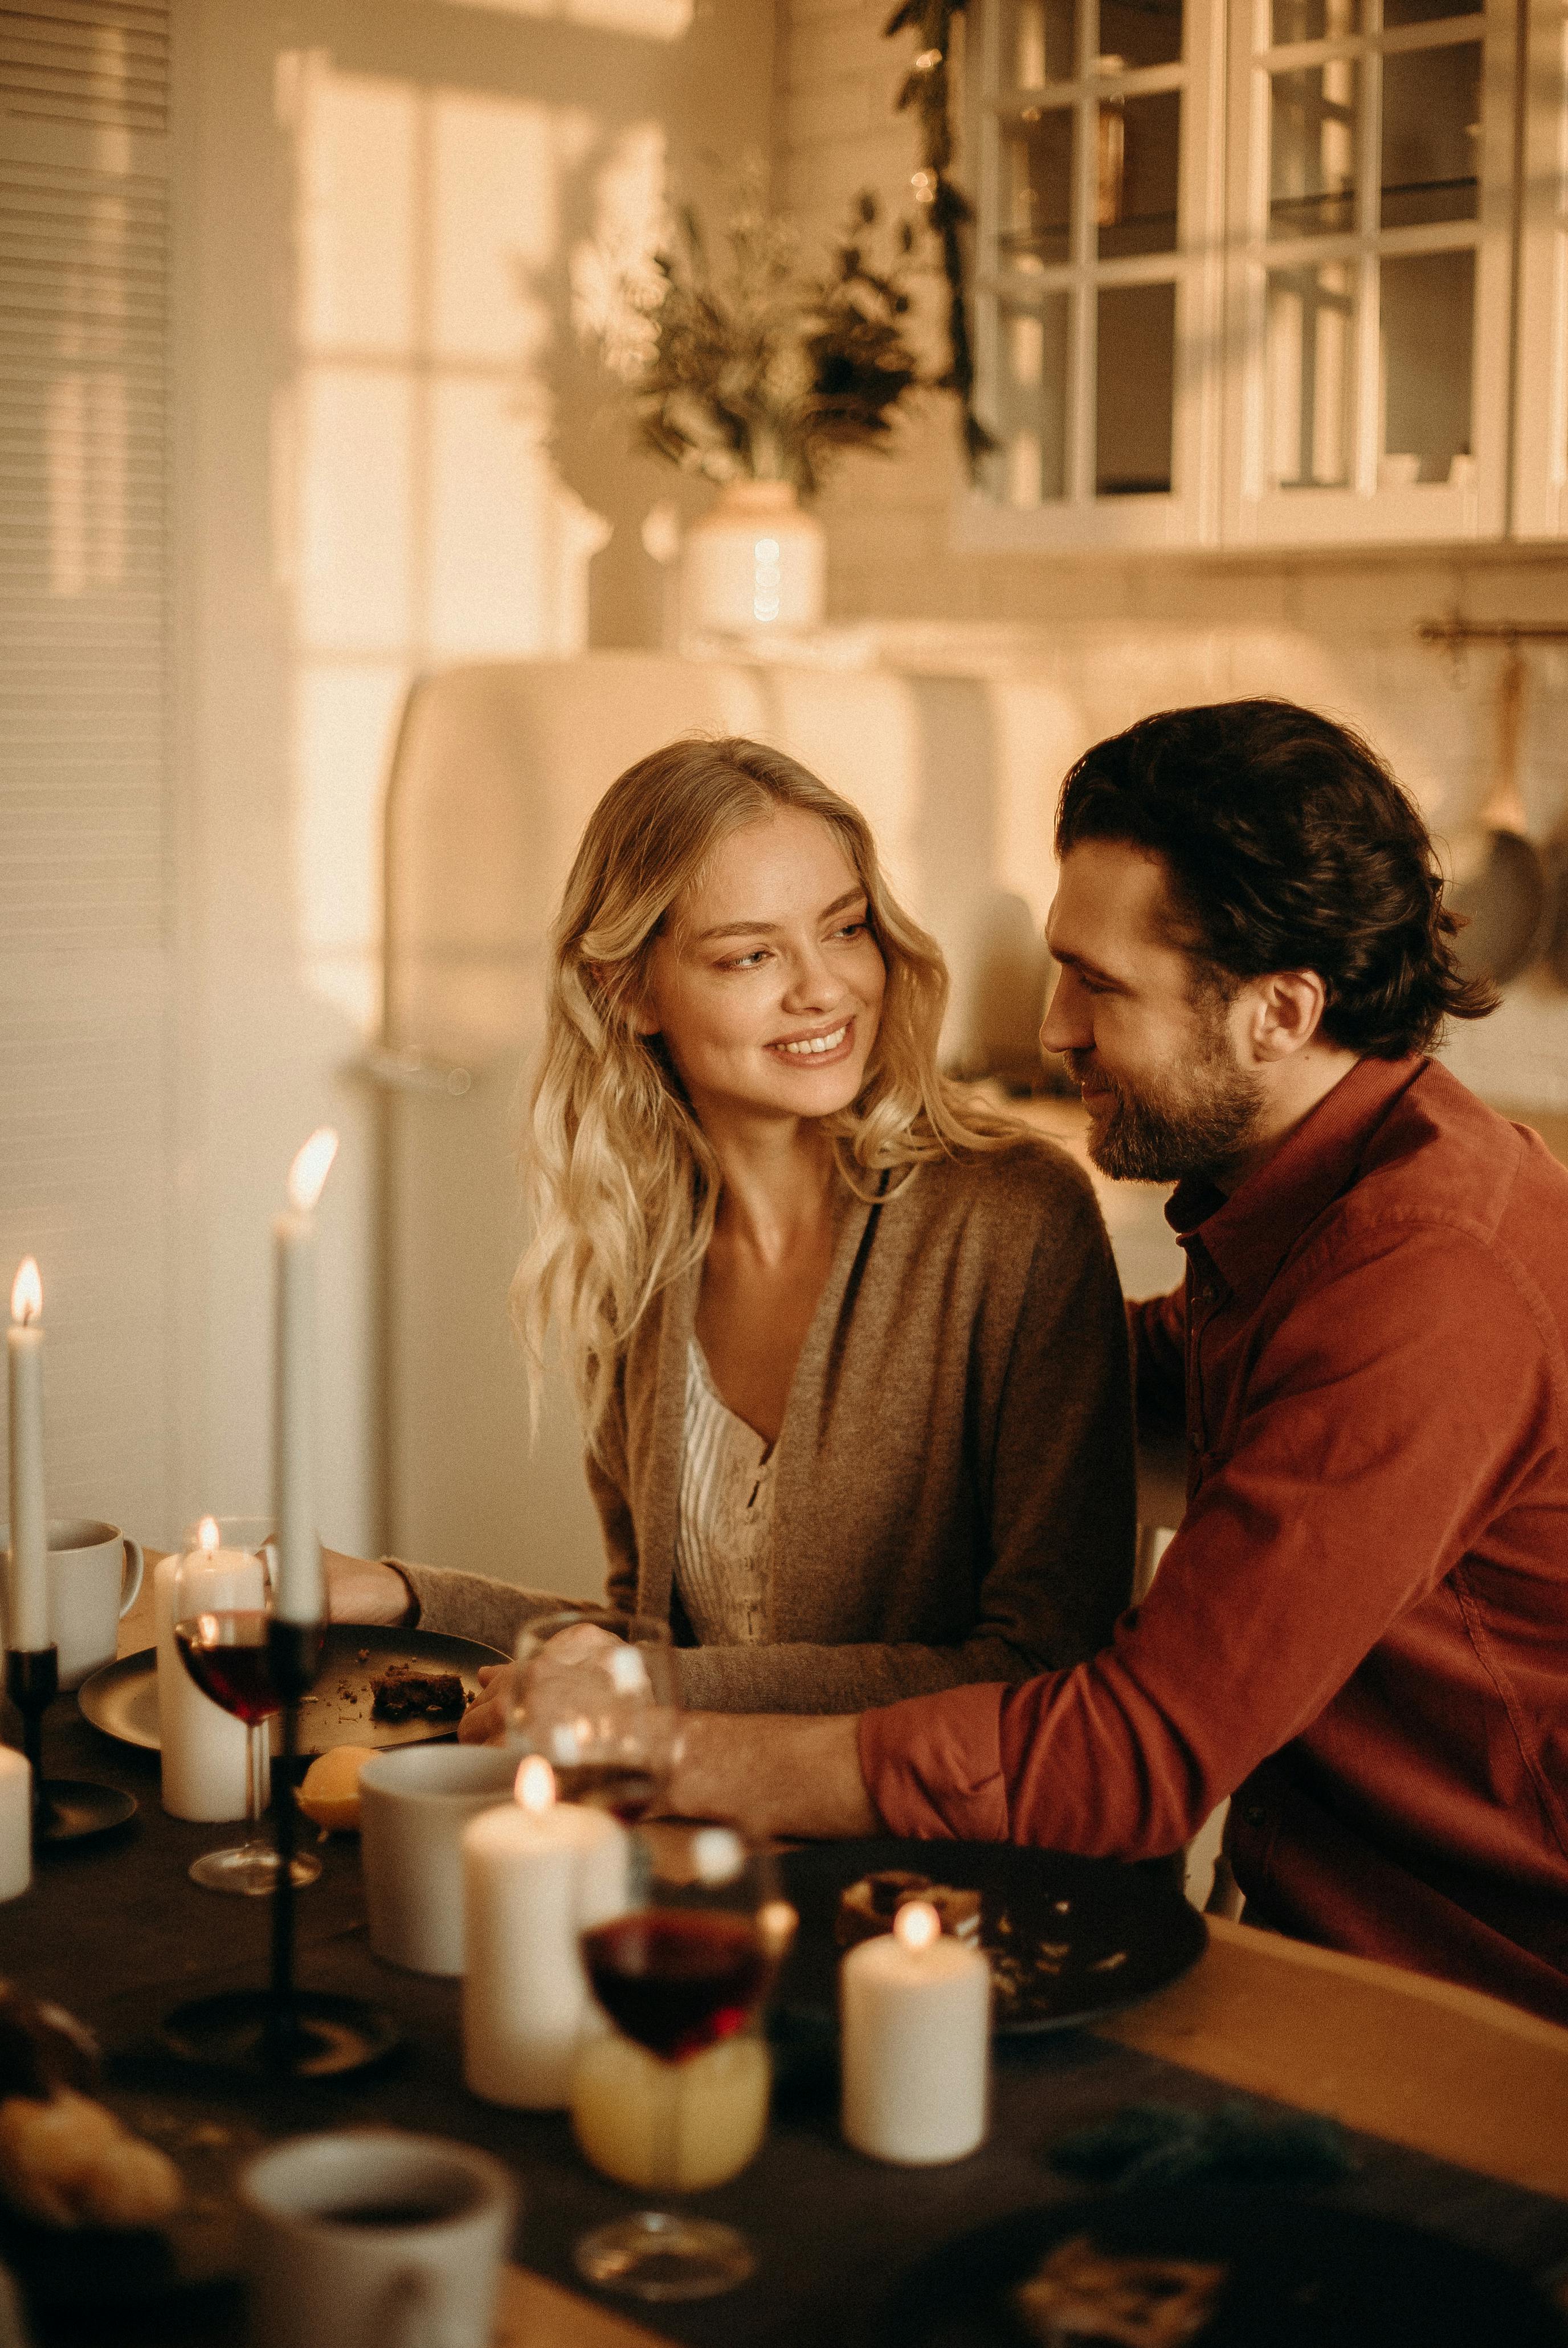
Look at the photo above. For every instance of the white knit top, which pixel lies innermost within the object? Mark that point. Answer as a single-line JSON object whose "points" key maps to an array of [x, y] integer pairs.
{"points": [[724, 1528]]}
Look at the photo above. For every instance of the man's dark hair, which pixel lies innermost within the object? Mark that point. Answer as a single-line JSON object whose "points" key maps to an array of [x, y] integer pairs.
{"points": [[1290, 845]]}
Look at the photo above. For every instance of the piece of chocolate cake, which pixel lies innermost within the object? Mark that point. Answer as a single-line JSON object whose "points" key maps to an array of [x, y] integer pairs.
{"points": [[402, 1694]]}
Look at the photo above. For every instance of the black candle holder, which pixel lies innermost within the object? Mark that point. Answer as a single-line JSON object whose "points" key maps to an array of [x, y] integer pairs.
{"points": [[284, 2031], [64, 1809]]}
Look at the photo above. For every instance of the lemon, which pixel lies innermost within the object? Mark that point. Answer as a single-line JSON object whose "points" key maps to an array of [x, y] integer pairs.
{"points": [[330, 1791]]}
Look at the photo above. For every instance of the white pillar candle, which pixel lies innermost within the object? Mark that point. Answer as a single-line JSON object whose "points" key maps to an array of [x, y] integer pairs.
{"points": [[916, 2010], [16, 1823], [27, 1594], [202, 1747], [622, 2116], [300, 1591], [536, 1874]]}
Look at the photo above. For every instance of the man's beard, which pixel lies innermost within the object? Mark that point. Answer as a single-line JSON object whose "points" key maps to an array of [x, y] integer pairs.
{"points": [[1198, 1124]]}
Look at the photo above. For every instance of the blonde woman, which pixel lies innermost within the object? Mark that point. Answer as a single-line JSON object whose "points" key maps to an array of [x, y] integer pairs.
{"points": [[849, 1353]]}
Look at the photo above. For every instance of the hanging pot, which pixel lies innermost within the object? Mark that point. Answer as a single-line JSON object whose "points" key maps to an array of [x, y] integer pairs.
{"points": [[1499, 877], [755, 565]]}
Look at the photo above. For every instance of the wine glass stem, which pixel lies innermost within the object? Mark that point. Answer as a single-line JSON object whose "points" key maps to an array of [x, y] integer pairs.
{"points": [[258, 1760], [667, 2131]]}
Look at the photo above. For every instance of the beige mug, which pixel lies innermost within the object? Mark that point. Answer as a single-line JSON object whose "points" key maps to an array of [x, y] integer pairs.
{"points": [[95, 1577], [373, 2239], [414, 1804]]}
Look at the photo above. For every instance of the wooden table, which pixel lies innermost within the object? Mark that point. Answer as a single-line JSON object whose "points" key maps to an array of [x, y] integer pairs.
{"points": [[1424, 2073]]}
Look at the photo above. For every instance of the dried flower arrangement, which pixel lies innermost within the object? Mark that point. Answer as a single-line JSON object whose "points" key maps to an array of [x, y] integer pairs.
{"points": [[749, 362]]}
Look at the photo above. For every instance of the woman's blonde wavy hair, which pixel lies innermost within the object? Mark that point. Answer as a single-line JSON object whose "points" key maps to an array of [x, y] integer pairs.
{"points": [[620, 1179]]}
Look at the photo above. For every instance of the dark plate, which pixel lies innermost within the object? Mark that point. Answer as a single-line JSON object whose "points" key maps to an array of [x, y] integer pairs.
{"points": [[122, 1699], [1124, 1931], [1298, 2274]]}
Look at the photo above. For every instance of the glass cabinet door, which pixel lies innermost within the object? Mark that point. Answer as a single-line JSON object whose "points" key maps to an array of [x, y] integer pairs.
{"points": [[1096, 131], [1371, 163], [1541, 409]]}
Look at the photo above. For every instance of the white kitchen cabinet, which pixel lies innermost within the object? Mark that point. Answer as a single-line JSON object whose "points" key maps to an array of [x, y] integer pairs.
{"points": [[1367, 345], [1097, 132], [1252, 282], [1540, 438]]}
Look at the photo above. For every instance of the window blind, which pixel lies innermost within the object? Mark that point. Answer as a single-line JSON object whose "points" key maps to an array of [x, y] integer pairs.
{"points": [[85, 909]]}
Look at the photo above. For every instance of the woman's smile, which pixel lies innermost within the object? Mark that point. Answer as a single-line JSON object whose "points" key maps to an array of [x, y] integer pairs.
{"points": [[819, 1045]]}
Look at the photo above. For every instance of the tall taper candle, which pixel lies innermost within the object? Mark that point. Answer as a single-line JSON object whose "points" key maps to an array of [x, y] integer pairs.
{"points": [[301, 1594], [27, 1597]]}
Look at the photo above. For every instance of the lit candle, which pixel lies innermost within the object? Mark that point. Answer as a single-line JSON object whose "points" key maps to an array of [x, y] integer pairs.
{"points": [[201, 1747], [16, 1823], [27, 1621], [915, 2012], [301, 1590], [536, 1874]]}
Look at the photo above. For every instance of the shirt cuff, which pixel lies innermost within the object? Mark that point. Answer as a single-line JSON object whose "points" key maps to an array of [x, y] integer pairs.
{"points": [[932, 1765]]}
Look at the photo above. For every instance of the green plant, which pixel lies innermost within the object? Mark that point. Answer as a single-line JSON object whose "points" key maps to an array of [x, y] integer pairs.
{"points": [[747, 361]]}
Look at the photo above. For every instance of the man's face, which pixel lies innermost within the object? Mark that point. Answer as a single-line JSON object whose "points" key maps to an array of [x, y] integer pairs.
{"points": [[1152, 1051]]}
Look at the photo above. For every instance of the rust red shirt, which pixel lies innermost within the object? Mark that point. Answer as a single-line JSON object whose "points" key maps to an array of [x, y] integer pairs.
{"points": [[1362, 1629]]}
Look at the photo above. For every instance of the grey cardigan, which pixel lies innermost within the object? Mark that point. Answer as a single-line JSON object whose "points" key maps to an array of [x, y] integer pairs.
{"points": [[955, 1494]]}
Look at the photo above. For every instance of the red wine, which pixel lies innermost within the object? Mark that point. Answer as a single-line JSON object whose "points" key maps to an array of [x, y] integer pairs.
{"points": [[677, 1980], [226, 1655], [627, 1793]]}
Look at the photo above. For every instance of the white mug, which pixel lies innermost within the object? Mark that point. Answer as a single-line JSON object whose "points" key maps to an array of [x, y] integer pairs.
{"points": [[414, 1804], [372, 2239], [95, 1577]]}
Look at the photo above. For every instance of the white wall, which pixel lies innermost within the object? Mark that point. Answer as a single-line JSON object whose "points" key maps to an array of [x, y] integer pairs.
{"points": [[390, 456], [1137, 632]]}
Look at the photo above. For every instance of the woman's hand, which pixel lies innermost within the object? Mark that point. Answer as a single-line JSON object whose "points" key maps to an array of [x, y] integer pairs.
{"points": [[359, 1590], [485, 1722]]}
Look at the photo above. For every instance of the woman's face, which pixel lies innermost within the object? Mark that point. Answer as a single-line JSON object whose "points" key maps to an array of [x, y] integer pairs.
{"points": [[766, 984]]}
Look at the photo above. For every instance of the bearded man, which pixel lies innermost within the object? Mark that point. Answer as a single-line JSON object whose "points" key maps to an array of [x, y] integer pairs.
{"points": [[1360, 1631]]}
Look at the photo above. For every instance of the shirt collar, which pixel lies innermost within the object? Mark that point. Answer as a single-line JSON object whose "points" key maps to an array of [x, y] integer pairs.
{"points": [[1248, 1235]]}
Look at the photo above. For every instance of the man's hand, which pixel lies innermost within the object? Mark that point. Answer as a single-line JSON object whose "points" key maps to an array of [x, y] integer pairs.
{"points": [[773, 1773], [361, 1591]]}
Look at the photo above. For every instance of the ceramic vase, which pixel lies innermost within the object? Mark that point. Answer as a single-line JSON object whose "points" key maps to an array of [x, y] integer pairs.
{"points": [[754, 565]]}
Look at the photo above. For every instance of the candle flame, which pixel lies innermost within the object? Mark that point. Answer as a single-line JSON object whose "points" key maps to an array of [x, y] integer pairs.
{"points": [[208, 1534], [918, 1924], [310, 1169], [27, 1294], [777, 1925], [535, 1785]]}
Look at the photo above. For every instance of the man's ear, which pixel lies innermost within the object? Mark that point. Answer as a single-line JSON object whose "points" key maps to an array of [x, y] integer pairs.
{"points": [[1285, 1014]]}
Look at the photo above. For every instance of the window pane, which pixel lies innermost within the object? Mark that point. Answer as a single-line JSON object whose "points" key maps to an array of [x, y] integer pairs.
{"points": [[1312, 157], [1311, 352], [1141, 32], [1040, 179], [1138, 175], [1039, 42], [1426, 12], [1428, 305], [1432, 134], [1134, 393], [1031, 401], [1315, 20]]}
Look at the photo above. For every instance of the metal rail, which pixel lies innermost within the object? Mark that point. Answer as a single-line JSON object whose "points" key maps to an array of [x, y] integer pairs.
{"points": [[1493, 632]]}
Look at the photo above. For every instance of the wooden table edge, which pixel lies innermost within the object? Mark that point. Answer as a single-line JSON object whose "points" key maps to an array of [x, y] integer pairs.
{"points": [[1426, 2064]]}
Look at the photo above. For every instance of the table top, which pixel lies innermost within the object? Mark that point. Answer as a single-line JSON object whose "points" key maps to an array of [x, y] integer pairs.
{"points": [[1456, 2101]]}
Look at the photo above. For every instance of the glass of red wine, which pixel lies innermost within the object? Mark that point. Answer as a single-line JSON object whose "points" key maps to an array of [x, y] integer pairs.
{"points": [[222, 1605], [687, 1966], [596, 1692]]}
